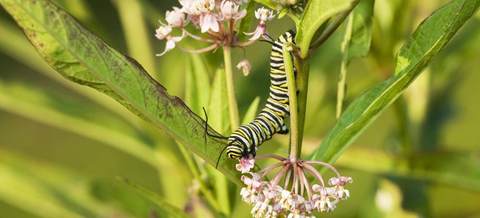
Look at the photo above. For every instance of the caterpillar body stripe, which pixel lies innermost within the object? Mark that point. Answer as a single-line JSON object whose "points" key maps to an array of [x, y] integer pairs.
{"points": [[247, 138]]}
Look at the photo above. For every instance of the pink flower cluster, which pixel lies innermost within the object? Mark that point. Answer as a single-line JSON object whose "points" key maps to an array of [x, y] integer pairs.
{"points": [[296, 197], [215, 18]]}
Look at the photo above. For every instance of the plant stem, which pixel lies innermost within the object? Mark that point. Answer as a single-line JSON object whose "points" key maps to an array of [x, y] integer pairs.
{"points": [[295, 139], [303, 69], [298, 102], [232, 103]]}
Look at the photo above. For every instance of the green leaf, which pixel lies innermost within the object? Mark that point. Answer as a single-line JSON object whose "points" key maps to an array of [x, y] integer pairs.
{"points": [[220, 120], [197, 87], [171, 210], [361, 29], [191, 98], [246, 22], [218, 105], [21, 50], [251, 112], [80, 56], [460, 170], [267, 3], [32, 104], [202, 80], [137, 32], [429, 38], [356, 43], [316, 13], [25, 181]]}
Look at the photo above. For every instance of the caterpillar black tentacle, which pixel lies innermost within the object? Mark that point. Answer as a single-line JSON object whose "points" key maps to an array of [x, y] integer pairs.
{"points": [[267, 36], [245, 141], [206, 127]]}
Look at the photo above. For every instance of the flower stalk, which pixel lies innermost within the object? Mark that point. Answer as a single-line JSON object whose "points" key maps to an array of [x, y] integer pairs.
{"points": [[232, 103]]}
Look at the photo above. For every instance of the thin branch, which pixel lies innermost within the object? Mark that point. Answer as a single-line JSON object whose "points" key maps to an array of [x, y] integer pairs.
{"points": [[324, 164], [287, 178], [199, 38], [243, 44], [270, 168], [203, 50], [314, 173]]}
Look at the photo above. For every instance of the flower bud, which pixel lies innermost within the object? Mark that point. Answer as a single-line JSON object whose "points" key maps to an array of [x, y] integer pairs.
{"points": [[176, 18], [245, 66]]}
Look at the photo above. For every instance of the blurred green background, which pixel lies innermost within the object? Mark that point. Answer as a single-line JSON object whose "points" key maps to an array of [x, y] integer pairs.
{"points": [[62, 145]]}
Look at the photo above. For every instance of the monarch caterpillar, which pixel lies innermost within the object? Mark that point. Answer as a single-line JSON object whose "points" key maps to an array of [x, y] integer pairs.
{"points": [[246, 139]]}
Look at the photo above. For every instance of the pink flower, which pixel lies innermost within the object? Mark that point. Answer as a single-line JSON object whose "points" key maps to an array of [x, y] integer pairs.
{"points": [[230, 10], [176, 18], [255, 181], [163, 32], [263, 15], [186, 2], [269, 199], [205, 6], [261, 29], [208, 21], [246, 163], [341, 182], [272, 192]]}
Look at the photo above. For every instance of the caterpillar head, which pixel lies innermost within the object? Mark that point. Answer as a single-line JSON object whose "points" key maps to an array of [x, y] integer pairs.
{"points": [[235, 150]]}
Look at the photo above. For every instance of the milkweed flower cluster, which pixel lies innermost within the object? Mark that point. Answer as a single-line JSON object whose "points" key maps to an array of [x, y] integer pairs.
{"points": [[296, 197], [216, 19]]}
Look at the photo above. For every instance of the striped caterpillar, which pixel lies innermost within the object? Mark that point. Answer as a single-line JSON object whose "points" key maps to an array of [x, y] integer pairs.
{"points": [[245, 141]]}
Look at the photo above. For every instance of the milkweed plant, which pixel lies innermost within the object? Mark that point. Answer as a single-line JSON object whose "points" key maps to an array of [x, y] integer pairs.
{"points": [[297, 197], [292, 186]]}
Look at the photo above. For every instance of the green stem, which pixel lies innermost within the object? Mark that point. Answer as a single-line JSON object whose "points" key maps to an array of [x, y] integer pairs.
{"points": [[343, 67], [232, 103], [303, 69], [295, 139], [298, 102]]}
